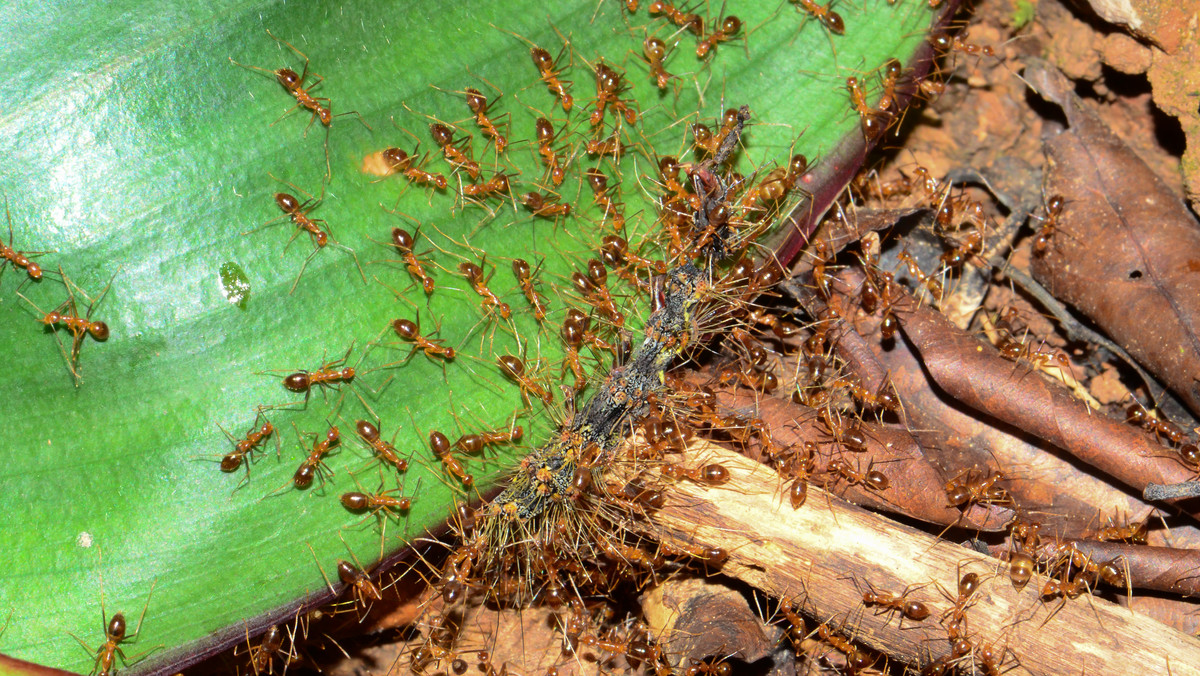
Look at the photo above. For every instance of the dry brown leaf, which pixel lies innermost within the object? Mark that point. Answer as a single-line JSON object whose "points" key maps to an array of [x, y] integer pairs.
{"points": [[1127, 253]]}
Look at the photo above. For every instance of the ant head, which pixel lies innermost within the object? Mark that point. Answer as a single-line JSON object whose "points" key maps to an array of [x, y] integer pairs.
{"points": [[34, 270], [326, 116]]}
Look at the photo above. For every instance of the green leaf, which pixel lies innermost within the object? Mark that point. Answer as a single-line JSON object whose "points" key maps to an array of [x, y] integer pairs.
{"points": [[142, 159]]}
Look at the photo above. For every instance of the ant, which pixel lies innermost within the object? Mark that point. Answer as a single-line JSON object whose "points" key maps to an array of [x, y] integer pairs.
{"points": [[514, 368], [19, 259], [474, 443], [1020, 569], [294, 84], [114, 635], [381, 503], [325, 376], [408, 330], [823, 13], [943, 44], [615, 251], [353, 577], [747, 375], [681, 18], [872, 478], [608, 91], [545, 138], [872, 121], [1054, 209], [369, 433], [1137, 414], [243, 447], [524, 275], [609, 146], [702, 138], [399, 161], [298, 213], [963, 491], [656, 53], [262, 657], [68, 315], [714, 557], [317, 228], [444, 138], [968, 584], [544, 206], [404, 241], [668, 169], [573, 332], [598, 182], [802, 466], [594, 288], [1040, 357], [495, 186], [478, 104], [931, 283], [1134, 533], [550, 75], [725, 31], [440, 445], [712, 474], [885, 398], [892, 602], [474, 275], [892, 71], [856, 660], [314, 462]]}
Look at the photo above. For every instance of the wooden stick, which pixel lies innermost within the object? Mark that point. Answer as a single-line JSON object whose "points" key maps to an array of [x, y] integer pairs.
{"points": [[823, 554]]}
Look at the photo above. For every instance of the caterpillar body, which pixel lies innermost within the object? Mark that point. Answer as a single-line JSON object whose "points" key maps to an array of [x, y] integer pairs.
{"points": [[556, 506]]}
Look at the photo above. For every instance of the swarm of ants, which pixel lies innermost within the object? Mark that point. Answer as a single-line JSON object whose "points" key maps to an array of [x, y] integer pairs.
{"points": [[745, 377]]}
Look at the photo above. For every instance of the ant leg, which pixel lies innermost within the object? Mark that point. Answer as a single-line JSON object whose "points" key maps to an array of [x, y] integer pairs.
{"points": [[133, 637], [322, 570], [285, 114], [353, 255], [259, 69], [302, 268]]}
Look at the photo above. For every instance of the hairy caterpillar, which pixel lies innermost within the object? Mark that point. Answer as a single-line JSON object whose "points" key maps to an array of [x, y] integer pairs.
{"points": [[556, 507]]}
